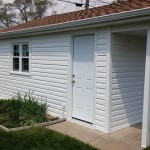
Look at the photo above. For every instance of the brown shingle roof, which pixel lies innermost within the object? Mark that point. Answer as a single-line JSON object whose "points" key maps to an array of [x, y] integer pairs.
{"points": [[83, 14]]}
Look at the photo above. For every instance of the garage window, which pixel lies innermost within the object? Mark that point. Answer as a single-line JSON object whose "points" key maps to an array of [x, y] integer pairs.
{"points": [[20, 57]]}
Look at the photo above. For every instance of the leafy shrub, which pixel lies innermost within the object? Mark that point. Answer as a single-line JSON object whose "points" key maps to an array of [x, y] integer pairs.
{"points": [[22, 111]]}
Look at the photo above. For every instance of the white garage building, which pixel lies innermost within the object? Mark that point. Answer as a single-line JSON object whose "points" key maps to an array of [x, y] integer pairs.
{"points": [[93, 66]]}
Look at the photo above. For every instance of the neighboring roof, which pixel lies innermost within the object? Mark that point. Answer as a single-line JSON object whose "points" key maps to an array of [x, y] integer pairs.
{"points": [[113, 8]]}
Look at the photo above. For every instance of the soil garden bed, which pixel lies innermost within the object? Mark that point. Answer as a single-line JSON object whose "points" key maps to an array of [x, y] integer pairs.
{"points": [[24, 112]]}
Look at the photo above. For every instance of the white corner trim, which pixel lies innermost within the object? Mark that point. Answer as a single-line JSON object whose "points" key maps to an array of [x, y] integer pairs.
{"points": [[95, 75], [146, 106], [108, 85]]}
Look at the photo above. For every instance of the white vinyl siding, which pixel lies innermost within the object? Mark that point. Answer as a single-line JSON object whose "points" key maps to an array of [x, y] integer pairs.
{"points": [[128, 65], [101, 76], [49, 70]]}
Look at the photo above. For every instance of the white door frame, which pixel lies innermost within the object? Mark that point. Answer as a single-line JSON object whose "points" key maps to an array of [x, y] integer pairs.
{"points": [[70, 73], [83, 108]]}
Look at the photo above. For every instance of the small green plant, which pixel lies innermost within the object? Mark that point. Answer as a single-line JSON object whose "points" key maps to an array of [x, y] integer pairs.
{"points": [[22, 111]]}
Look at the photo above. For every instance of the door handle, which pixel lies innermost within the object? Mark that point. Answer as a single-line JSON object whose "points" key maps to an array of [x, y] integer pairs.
{"points": [[73, 81]]}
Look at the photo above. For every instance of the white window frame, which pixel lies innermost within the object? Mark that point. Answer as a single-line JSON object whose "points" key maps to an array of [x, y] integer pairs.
{"points": [[20, 72]]}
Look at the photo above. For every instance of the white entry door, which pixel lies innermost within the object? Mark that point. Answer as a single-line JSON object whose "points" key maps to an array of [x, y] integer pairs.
{"points": [[83, 78]]}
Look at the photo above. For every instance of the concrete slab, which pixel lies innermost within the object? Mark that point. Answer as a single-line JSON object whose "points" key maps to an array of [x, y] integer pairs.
{"points": [[125, 139]]}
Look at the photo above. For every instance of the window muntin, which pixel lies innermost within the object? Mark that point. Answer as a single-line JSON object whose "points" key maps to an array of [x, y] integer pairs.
{"points": [[20, 58]]}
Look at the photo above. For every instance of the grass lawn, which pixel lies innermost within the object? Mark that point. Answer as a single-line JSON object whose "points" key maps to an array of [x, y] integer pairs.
{"points": [[39, 139]]}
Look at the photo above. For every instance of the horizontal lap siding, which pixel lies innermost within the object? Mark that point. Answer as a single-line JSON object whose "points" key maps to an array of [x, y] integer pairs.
{"points": [[102, 48], [128, 65], [49, 71]]}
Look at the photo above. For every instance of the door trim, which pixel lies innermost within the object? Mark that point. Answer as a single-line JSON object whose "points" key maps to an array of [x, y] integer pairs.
{"points": [[70, 73]]}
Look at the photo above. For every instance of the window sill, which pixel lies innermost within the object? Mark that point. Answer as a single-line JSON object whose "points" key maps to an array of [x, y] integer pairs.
{"points": [[20, 73]]}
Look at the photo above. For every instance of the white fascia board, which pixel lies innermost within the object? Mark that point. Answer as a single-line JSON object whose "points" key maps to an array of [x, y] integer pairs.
{"points": [[107, 19]]}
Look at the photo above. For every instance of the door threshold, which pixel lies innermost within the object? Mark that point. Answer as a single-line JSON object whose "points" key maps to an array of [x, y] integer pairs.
{"points": [[82, 123], [82, 120]]}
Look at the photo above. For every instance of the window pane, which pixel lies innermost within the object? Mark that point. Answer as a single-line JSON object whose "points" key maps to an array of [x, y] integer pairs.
{"points": [[15, 50], [15, 64], [25, 50], [25, 64]]}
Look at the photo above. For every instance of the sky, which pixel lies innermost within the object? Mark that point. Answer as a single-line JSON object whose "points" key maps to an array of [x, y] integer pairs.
{"points": [[63, 7]]}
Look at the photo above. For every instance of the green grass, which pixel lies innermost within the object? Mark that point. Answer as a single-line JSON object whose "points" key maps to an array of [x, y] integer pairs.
{"points": [[148, 148], [39, 139]]}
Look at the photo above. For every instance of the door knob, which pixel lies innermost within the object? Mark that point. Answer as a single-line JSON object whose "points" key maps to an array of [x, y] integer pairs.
{"points": [[73, 81]]}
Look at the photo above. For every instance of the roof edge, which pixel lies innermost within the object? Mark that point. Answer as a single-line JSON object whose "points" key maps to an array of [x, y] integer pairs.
{"points": [[100, 19]]}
